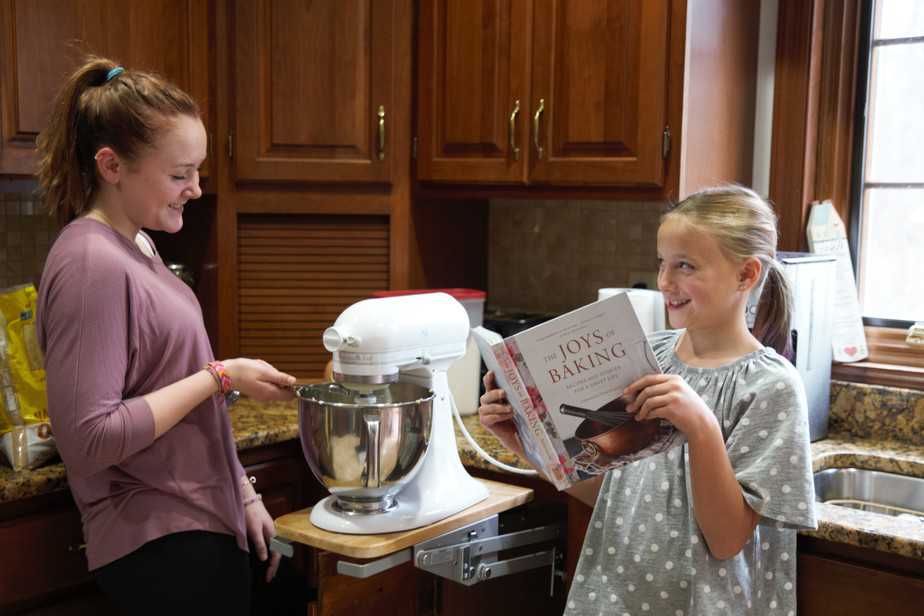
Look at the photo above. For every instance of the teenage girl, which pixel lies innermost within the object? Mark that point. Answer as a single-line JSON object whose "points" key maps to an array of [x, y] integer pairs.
{"points": [[708, 528], [134, 394]]}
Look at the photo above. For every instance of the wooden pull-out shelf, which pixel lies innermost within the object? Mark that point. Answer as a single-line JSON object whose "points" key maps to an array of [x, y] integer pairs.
{"points": [[297, 526]]}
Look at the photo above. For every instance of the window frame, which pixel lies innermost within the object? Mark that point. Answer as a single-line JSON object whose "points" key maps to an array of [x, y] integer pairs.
{"points": [[858, 185], [892, 361], [814, 124]]}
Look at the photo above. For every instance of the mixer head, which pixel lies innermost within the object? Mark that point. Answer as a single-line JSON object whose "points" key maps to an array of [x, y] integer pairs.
{"points": [[373, 339]]}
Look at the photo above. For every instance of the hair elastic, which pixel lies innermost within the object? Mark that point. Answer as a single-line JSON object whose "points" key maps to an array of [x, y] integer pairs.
{"points": [[114, 73]]}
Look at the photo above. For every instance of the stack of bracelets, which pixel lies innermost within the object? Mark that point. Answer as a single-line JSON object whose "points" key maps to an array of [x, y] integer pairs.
{"points": [[218, 372]]}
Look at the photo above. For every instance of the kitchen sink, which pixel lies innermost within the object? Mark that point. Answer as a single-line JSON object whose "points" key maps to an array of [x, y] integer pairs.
{"points": [[874, 491]]}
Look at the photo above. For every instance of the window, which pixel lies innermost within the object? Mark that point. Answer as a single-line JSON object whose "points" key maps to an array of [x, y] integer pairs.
{"points": [[887, 217]]}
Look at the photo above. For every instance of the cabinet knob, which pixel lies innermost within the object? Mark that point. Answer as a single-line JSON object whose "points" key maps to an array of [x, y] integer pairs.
{"points": [[536, 117]]}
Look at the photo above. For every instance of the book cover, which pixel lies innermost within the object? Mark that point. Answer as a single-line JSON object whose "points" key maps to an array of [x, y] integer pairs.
{"points": [[573, 369]]}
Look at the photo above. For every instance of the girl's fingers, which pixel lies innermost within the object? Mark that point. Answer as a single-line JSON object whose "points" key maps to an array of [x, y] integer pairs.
{"points": [[652, 404], [266, 392], [495, 413], [282, 379], [492, 396], [260, 545], [275, 557], [655, 413], [647, 393], [646, 381]]}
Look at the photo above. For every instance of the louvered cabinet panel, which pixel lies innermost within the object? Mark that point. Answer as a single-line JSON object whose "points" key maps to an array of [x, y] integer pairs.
{"points": [[296, 274]]}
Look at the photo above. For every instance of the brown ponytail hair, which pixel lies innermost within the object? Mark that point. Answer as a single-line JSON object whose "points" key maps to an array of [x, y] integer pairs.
{"points": [[744, 224], [91, 111]]}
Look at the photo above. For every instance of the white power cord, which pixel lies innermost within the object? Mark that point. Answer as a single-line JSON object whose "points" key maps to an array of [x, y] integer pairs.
{"points": [[481, 452]]}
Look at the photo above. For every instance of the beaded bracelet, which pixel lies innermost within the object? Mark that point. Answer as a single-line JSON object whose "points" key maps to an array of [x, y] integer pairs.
{"points": [[218, 372], [253, 499]]}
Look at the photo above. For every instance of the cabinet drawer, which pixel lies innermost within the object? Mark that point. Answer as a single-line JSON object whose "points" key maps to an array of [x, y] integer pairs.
{"points": [[829, 586], [40, 554]]}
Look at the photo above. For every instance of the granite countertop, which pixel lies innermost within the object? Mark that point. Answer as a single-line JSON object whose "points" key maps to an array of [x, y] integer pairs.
{"points": [[252, 423], [257, 424]]}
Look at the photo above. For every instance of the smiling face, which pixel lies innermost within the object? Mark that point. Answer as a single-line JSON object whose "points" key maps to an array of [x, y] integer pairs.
{"points": [[702, 286], [154, 189]]}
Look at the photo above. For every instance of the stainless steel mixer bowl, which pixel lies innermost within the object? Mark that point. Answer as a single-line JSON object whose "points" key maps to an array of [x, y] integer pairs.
{"points": [[364, 448]]}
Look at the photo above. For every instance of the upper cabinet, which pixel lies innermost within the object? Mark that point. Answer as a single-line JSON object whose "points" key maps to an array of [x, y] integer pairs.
{"points": [[598, 92], [559, 93], [42, 41], [543, 92], [314, 89], [473, 91]]}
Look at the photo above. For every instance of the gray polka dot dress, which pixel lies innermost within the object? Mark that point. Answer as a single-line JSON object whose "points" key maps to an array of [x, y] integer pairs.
{"points": [[644, 553]]}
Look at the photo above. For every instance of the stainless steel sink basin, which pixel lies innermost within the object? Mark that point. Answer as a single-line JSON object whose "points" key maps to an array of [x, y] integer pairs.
{"points": [[874, 491]]}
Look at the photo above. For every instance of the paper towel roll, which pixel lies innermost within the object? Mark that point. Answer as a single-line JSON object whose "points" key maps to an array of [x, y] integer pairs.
{"points": [[648, 304]]}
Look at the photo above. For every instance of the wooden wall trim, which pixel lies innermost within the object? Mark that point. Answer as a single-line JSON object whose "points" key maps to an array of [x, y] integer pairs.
{"points": [[795, 109], [813, 106], [837, 101]]}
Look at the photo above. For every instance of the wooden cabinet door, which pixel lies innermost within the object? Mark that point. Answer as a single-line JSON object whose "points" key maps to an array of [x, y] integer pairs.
{"points": [[42, 41], [598, 100], [472, 90], [314, 89], [831, 586], [42, 555]]}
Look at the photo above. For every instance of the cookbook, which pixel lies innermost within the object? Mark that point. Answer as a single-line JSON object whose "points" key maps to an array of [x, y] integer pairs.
{"points": [[564, 380]]}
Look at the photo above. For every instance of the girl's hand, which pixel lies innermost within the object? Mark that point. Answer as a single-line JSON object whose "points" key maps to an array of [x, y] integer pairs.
{"points": [[258, 380], [260, 529], [496, 414], [670, 397]]}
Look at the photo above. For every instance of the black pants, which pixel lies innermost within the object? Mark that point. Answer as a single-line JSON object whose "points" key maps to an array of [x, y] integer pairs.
{"points": [[194, 572], [199, 572]]}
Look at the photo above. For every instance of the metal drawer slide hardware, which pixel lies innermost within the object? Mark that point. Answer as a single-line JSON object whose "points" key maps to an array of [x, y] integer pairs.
{"points": [[467, 555]]}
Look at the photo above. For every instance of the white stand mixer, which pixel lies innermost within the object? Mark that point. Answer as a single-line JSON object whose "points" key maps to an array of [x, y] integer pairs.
{"points": [[413, 338]]}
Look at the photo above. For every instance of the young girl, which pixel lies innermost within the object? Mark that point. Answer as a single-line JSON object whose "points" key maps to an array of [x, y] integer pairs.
{"points": [[134, 395], [709, 528]]}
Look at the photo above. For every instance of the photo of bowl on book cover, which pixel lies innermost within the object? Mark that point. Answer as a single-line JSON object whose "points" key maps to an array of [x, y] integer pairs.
{"points": [[564, 379]]}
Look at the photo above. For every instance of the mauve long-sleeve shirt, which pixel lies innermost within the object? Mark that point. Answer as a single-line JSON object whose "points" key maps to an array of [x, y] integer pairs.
{"points": [[116, 325]]}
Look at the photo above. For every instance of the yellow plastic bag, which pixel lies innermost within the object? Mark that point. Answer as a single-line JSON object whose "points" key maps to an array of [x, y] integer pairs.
{"points": [[25, 434]]}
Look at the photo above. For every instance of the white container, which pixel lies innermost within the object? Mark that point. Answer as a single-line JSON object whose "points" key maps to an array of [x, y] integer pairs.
{"points": [[466, 372], [648, 305], [464, 375]]}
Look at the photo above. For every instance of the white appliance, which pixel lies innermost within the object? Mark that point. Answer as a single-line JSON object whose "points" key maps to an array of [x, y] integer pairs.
{"points": [[811, 279], [648, 305], [412, 338]]}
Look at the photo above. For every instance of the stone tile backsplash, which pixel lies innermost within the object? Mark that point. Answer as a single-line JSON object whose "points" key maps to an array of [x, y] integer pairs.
{"points": [[26, 234], [552, 256], [877, 412]]}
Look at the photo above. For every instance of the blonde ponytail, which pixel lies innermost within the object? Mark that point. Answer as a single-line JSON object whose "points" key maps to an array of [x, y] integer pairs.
{"points": [[772, 322]]}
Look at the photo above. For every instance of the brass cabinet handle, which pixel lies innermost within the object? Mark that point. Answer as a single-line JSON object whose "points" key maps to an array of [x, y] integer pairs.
{"points": [[536, 118], [381, 115], [512, 131]]}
